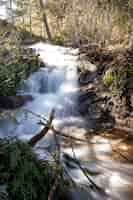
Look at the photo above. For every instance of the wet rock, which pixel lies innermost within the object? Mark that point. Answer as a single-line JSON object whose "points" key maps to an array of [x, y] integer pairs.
{"points": [[66, 195], [85, 95], [42, 65], [12, 102], [88, 72], [83, 108], [3, 192], [87, 77]]}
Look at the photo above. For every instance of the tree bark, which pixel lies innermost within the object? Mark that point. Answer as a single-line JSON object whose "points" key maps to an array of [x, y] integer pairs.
{"points": [[45, 21], [30, 17]]}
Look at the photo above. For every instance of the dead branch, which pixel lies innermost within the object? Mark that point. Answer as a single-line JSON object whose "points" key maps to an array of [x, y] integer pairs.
{"points": [[44, 131], [39, 116]]}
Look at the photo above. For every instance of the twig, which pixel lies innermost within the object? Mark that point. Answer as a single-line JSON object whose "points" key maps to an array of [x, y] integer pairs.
{"points": [[36, 115]]}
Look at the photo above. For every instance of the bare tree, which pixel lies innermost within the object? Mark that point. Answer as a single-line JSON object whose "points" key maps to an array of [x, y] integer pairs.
{"points": [[30, 16], [45, 21], [10, 11]]}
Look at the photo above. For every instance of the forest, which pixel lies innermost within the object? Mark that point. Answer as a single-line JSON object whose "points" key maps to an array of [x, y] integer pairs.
{"points": [[66, 99]]}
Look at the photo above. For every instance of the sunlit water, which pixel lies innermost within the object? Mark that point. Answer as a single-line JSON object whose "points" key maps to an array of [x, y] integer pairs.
{"points": [[56, 87]]}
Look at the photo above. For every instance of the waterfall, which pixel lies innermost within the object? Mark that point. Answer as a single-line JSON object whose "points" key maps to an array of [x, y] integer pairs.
{"points": [[56, 86], [52, 87]]}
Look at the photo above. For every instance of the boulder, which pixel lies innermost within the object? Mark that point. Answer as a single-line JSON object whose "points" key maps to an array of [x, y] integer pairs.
{"points": [[12, 102], [85, 65], [87, 77], [3, 192], [86, 95]]}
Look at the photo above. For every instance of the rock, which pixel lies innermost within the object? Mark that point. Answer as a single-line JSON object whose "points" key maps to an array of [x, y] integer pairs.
{"points": [[3, 192], [86, 95], [12, 102], [92, 67], [83, 108], [87, 66], [42, 64], [87, 77], [87, 72]]}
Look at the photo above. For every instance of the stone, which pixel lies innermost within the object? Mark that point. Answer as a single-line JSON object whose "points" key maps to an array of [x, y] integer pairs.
{"points": [[3, 192], [87, 77], [88, 66], [13, 102], [42, 64], [86, 95]]}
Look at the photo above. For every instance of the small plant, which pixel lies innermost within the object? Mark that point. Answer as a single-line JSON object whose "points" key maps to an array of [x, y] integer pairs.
{"points": [[109, 76], [58, 39]]}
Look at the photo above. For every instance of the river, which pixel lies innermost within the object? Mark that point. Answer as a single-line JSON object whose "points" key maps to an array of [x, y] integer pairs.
{"points": [[55, 86]]}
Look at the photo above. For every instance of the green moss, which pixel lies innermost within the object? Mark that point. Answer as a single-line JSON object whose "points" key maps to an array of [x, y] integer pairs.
{"points": [[58, 39]]}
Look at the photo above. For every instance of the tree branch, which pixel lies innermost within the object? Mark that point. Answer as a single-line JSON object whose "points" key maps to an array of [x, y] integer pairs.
{"points": [[44, 131]]}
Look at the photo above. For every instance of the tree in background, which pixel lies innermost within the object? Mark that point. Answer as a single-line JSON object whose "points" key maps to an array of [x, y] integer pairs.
{"points": [[77, 21], [29, 15], [44, 17]]}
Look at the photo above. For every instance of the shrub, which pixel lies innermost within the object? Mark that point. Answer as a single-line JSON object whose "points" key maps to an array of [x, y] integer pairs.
{"points": [[16, 63]]}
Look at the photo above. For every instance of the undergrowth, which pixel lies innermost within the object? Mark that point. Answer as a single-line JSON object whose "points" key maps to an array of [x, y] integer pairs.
{"points": [[16, 63], [27, 178]]}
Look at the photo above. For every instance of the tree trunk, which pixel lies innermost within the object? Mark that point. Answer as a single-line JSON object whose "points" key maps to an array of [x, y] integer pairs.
{"points": [[30, 17], [45, 20], [11, 12]]}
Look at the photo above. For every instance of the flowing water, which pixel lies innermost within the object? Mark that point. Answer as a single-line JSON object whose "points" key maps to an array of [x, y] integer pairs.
{"points": [[55, 86]]}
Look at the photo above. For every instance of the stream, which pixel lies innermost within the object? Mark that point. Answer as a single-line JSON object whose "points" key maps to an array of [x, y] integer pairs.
{"points": [[55, 86]]}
